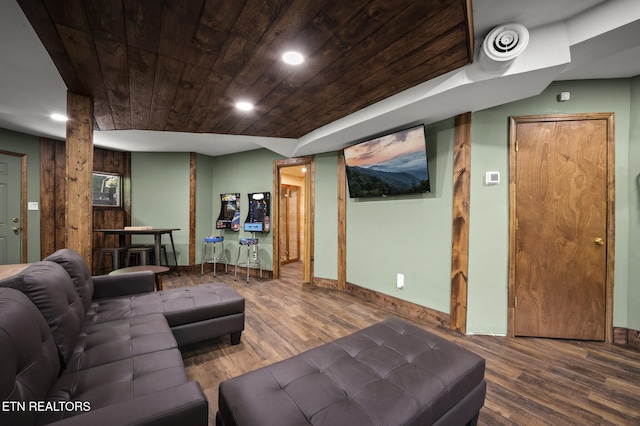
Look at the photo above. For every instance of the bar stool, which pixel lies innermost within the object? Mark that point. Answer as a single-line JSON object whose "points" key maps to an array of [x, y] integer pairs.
{"points": [[117, 255], [152, 256], [212, 241], [143, 254], [249, 243]]}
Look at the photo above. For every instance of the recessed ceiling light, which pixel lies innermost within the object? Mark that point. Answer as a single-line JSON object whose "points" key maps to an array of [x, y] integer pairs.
{"points": [[244, 106], [59, 117], [293, 58]]}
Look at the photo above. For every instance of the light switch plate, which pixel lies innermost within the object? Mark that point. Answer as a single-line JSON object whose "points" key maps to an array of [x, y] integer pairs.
{"points": [[492, 178]]}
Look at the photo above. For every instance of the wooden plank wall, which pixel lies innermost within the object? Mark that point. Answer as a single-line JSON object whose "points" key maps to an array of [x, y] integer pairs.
{"points": [[52, 196], [117, 162], [52, 190]]}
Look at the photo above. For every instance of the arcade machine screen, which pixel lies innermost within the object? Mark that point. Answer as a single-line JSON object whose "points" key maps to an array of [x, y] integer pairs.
{"points": [[229, 217], [258, 215]]}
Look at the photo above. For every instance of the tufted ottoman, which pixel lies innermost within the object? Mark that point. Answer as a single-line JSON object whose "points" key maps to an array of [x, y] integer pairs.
{"points": [[391, 373]]}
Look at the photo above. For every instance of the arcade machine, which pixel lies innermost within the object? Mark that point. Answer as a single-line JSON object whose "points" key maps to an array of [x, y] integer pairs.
{"points": [[229, 218], [257, 220]]}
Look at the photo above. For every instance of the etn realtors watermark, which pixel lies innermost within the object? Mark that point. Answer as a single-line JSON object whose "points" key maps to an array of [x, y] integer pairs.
{"points": [[42, 406]]}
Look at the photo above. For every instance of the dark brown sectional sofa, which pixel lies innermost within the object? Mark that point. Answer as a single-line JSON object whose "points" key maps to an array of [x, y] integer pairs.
{"points": [[83, 350]]}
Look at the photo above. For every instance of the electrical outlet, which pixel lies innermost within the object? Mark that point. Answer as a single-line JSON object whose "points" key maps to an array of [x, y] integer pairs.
{"points": [[400, 281]]}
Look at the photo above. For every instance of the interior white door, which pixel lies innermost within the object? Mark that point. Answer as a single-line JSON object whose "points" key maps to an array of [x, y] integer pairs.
{"points": [[10, 209]]}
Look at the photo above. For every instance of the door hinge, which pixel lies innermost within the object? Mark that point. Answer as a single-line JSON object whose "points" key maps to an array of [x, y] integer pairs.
{"points": [[515, 304], [516, 224], [516, 146]]}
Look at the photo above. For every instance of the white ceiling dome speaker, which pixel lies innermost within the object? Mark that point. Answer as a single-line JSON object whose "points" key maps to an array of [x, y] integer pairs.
{"points": [[503, 45]]}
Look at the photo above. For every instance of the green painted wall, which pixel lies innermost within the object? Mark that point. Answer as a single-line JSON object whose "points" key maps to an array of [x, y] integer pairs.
{"points": [[633, 302], [410, 235], [160, 198], [326, 217], [245, 172], [489, 220], [30, 146]]}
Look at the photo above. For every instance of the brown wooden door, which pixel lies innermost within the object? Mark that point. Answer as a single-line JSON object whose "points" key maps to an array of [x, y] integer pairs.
{"points": [[560, 238], [289, 224]]}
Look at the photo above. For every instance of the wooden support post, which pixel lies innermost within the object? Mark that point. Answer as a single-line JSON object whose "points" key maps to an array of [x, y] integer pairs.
{"points": [[460, 243], [342, 223], [193, 165], [79, 172]]}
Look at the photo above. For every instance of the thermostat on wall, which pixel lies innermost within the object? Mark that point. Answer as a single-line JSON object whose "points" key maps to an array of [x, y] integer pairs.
{"points": [[492, 178]]}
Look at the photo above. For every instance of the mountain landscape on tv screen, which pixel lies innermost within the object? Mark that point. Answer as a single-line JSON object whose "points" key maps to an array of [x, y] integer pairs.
{"points": [[404, 174]]}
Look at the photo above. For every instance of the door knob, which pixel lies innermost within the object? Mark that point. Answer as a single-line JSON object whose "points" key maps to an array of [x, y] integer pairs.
{"points": [[16, 229], [599, 241]]}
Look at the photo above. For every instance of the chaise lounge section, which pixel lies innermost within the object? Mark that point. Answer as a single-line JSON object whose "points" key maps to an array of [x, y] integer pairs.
{"points": [[195, 314]]}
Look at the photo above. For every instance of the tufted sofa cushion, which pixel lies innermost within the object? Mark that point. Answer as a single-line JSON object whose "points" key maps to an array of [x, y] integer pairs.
{"points": [[111, 341], [118, 382], [29, 355], [391, 373], [77, 268], [50, 288]]}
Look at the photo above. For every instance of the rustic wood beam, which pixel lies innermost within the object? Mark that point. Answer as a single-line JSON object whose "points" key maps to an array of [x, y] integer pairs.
{"points": [[342, 223], [310, 221], [460, 240], [79, 168], [192, 207]]}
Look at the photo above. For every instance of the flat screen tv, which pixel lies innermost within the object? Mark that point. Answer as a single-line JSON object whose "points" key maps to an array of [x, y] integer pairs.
{"points": [[391, 164]]}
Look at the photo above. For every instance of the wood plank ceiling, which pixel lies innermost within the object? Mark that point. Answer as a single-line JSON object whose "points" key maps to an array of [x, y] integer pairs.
{"points": [[180, 65]]}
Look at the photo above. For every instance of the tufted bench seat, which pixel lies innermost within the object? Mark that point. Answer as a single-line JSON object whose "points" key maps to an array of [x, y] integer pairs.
{"points": [[391, 373]]}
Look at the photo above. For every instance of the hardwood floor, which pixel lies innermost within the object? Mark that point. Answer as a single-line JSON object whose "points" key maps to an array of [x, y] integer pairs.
{"points": [[529, 381]]}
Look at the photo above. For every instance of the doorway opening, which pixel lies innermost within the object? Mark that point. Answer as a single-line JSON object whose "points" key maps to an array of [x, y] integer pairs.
{"points": [[293, 211], [291, 218]]}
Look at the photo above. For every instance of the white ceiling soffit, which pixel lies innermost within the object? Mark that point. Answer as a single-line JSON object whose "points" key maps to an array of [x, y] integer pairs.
{"points": [[203, 143], [604, 42], [470, 89], [615, 54]]}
